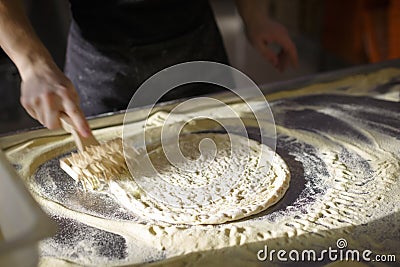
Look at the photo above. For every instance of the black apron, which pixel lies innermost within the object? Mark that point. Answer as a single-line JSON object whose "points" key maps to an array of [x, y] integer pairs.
{"points": [[107, 66]]}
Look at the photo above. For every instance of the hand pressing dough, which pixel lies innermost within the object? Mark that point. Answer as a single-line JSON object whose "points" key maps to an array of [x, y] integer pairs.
{"points": [[247, 185]]}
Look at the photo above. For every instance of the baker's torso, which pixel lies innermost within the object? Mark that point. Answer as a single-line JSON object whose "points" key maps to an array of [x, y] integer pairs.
{"points": [[139, 21]]}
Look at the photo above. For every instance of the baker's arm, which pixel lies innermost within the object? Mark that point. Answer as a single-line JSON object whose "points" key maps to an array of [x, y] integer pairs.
{"points": [[45, 90], [261, 31]]}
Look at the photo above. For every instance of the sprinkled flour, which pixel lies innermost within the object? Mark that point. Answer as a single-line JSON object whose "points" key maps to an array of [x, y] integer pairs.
{"points": [[341, 147]]}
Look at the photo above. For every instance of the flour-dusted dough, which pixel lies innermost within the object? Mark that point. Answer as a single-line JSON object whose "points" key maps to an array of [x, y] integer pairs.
{"points": [[356, 197], [260, 185]]}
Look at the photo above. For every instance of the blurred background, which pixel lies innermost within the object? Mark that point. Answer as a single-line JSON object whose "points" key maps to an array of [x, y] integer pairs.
{"points": [[329, 35]]}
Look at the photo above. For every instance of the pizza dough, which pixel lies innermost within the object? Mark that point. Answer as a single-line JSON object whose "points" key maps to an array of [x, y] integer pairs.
{"points": [[242, 185], [339, 140]]}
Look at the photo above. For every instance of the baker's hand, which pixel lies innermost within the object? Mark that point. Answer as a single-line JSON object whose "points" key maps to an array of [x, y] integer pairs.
{"points": [[262, 32], [46, 93]]}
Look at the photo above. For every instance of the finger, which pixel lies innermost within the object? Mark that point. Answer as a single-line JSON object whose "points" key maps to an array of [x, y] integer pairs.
{"points": [[75, 97], [78, 119], [284, 60], [68, 91], [39, 117], [31, 112], [268, 54], [51, 107], [71, 109], [34, 107], [290, 49]]}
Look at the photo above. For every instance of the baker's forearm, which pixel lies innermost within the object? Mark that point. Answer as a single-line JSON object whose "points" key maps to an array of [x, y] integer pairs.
{"points": [[18, 39], [46, 93], [251, 10]]}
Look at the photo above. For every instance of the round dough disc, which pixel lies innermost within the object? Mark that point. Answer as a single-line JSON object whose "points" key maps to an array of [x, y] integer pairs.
{"points": [[245, 183]]}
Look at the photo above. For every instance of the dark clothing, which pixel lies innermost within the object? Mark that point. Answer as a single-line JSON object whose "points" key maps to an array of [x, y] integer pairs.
{"points": [[107, 63], [139, 21]]}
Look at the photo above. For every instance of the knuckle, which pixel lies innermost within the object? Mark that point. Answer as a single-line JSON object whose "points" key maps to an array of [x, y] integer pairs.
{"points": [[48, 95], [53, 126], [75, 111], [24, 101], [30, 102], [66, 92], [52, 123], [63, 90], [34, 101]]}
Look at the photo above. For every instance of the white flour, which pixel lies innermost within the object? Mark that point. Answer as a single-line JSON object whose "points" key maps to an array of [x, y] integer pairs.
{"points": [[342, 151]]}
